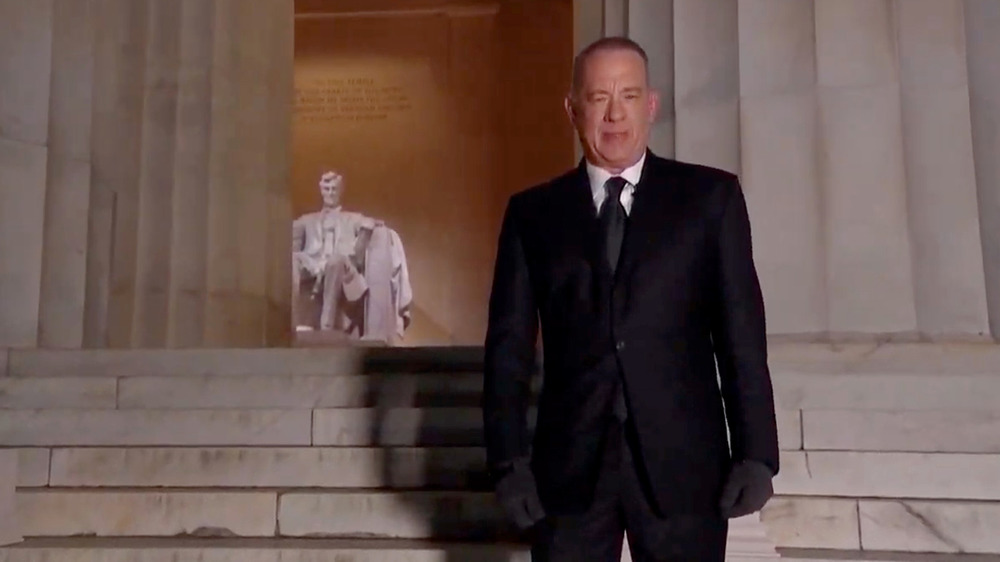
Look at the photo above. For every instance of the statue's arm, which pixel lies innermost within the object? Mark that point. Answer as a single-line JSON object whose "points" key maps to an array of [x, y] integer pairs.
{"points": [[298, 235]]}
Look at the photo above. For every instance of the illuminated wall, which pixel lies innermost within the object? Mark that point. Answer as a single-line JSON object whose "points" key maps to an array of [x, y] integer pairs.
{"points": [[434, 118]]}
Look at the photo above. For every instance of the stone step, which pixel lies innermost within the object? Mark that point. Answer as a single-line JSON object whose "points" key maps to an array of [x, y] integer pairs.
{"points": [[825, 474], [273, 427], [87, 549], [264, 467]]}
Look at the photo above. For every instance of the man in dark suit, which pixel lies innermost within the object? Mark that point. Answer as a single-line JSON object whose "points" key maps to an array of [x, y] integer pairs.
{"points": [[640, 272]]}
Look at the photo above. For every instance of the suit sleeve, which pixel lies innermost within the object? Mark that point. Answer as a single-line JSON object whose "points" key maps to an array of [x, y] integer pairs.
{"points": [[740, 339], [511, 334]]}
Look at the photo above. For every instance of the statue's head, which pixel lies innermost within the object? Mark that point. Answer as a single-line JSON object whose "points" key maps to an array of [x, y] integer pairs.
{"points": [[331, 185]]}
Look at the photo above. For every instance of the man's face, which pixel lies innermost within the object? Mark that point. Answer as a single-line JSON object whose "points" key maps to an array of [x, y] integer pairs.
{"points": [[329, 189], [613, 108]]}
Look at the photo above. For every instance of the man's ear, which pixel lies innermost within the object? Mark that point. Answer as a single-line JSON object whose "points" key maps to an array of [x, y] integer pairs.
{"points": [[570, 108], [654, 105]]}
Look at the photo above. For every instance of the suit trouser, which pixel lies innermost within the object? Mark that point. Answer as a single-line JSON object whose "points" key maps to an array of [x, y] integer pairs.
{"points": [[621, 506]]}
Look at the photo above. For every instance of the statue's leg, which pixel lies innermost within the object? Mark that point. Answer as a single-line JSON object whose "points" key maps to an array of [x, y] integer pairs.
{"points": [[333, 279]]}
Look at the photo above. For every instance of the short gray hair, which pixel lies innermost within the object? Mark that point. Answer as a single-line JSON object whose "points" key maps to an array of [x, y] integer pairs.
{"points": [[611, 43]]}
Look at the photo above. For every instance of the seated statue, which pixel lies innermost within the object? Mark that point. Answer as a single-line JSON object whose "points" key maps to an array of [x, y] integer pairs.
{"points": [[353, 267]]}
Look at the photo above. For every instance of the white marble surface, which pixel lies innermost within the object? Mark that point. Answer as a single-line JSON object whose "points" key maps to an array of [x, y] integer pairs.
{"points": [[923, 526], [391, 515], [929, 431], [889, 475], [286, 467], [191, 362], [154, 427], [812, 522], [297, 391], [33, 466], [57, 392], [147, 513], [10, 528]]}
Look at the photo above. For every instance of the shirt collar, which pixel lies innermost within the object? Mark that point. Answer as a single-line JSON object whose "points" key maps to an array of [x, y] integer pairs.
{"points": [[598, 176]]}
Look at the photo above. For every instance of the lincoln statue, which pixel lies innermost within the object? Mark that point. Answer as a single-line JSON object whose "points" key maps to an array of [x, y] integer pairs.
{"points": [[349, 273]]}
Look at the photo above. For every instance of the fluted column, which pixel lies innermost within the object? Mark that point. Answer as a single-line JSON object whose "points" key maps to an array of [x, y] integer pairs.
{"points": [[865, 133], [143, 153]]}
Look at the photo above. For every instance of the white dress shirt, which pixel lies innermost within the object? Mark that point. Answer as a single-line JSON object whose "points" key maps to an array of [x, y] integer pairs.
{"points": [[599, 176]]}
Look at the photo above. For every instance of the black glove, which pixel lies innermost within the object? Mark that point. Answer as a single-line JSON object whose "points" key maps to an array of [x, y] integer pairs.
{"points": [[517, 495], [747, 489]]}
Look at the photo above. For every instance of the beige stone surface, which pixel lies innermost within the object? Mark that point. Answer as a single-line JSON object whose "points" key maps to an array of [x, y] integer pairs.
{"points": [[22, 210], [777, 41], [287, 467], [921, 526], [982, 17], [4, 354], [32, 467], [706, 82], [869, 267], [889, 475], [780, 174], [947, 358], [57, 392], [889, 392], [154, 427], [950, 288], [812, 522], [248, 550], [65, 513], [397, 426], [295, 391], [67, 200], [25, 64], [397, 515], [854, 43], [652, 25], [191, 362], [10, 527], [926, 431]]}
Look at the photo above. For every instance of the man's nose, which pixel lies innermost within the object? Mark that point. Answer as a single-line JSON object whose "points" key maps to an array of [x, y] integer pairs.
{"points": [[616, 110]]}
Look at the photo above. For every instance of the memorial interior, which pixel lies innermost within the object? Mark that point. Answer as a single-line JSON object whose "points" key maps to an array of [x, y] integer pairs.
{"points": [[245, 255]]}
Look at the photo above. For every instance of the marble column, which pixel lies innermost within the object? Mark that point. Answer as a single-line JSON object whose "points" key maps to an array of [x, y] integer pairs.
{"points": [[143, 165], [865, 133]]}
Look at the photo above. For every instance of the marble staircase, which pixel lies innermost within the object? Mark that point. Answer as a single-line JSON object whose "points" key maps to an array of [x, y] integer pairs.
{"points": [[890, 452]]}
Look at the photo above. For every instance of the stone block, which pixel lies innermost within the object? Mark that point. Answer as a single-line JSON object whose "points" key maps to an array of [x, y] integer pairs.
{"points": [[288, 467], [57, 392], [889, 475], [191, 362], [952, 358], [4, 353], [777, 50], [106, 514], [886, 391], [250, 550], [923, 526], [789, 429], [413, 515], [300, 391], [796, 522], [26, 65], [10, 528], [154, 427], [32, 467], [398, 426], [925, 431]]}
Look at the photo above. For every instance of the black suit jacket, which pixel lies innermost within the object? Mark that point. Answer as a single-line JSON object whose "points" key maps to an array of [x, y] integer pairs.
{"points": [[685, 299]]}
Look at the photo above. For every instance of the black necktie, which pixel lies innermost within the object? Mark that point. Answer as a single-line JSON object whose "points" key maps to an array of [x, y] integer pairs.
{"points": [[613, 219]]}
